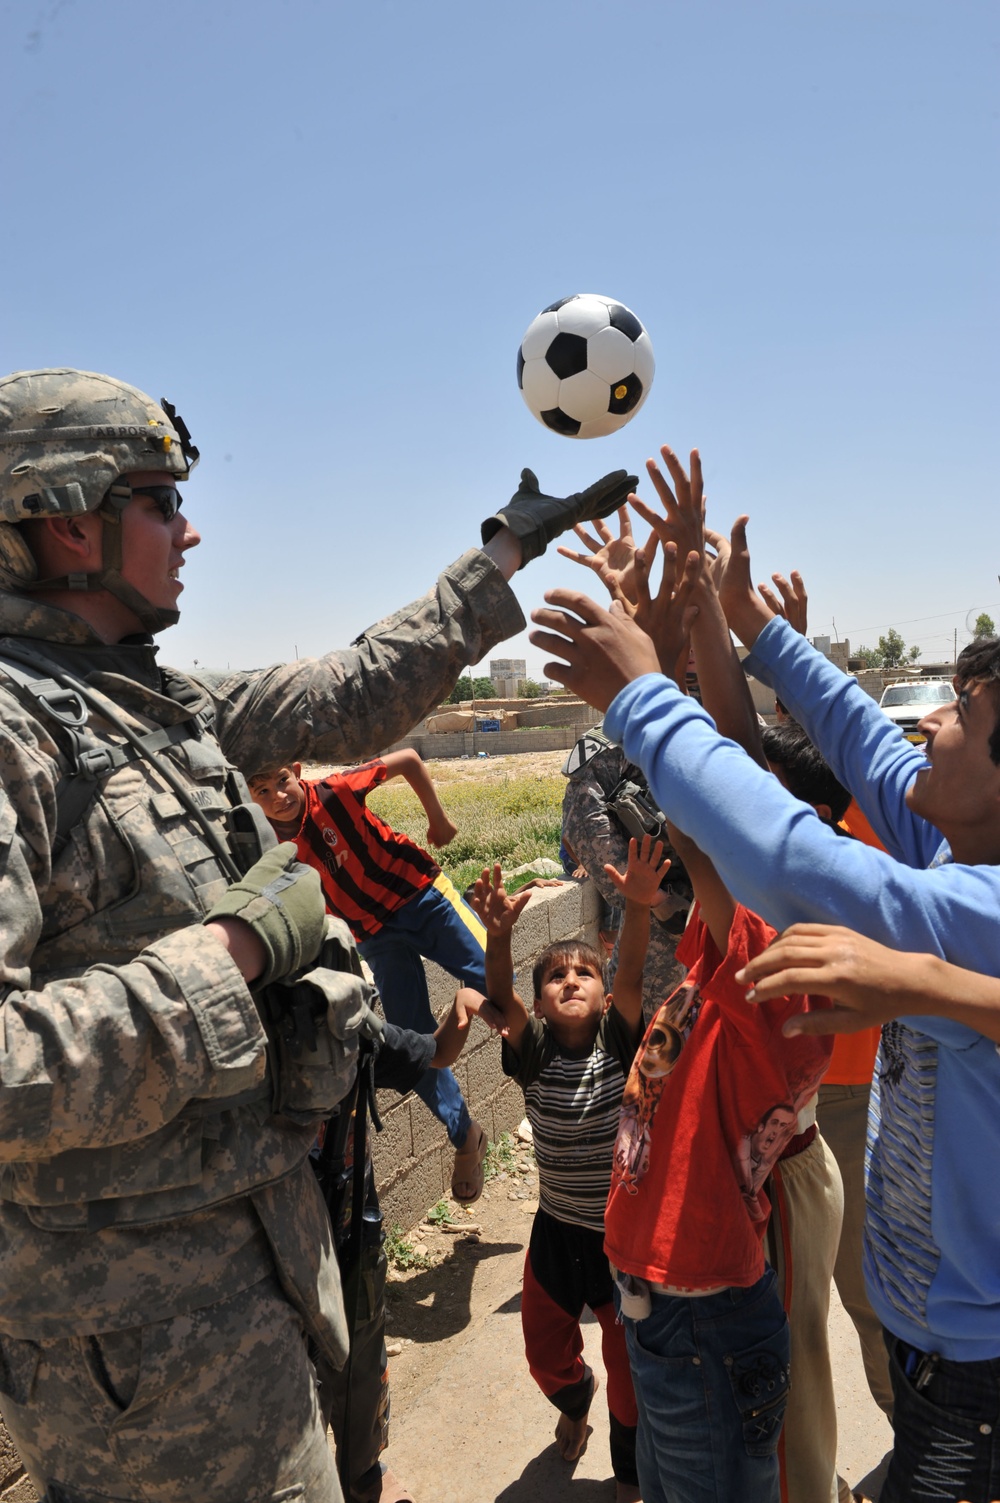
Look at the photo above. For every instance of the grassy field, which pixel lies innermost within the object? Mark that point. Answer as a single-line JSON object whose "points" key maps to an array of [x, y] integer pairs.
{"points": [[502, 814]]}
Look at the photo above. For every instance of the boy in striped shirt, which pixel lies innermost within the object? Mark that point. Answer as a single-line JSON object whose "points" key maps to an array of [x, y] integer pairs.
{"points": [[571, 1056]]}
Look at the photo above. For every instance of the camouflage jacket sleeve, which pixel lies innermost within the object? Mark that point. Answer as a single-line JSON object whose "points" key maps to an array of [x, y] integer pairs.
{"points": [[352, 704], [111, 1054]]}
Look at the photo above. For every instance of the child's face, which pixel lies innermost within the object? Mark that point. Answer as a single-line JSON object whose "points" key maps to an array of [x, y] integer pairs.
{"points": [[571, 999], [280, 794]]}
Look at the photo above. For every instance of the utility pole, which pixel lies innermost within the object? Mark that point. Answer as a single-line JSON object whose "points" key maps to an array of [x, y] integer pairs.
{"points": [[955, 649]]}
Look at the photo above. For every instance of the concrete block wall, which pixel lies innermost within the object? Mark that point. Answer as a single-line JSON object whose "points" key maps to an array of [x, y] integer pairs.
{"points": [[413, 1158], [496, 743]]}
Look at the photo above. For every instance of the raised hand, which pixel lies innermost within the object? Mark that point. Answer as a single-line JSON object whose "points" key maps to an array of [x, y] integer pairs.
{"points": [[794, 601], [498, 912], [600, 651], [746, 612], [612, 558], [861, 976], [668, 616], [644, 873], [682, 521]]}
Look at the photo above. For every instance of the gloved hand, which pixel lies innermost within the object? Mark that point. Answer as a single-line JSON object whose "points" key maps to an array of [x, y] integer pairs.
{"points": [[535, 519], [282, 901]]}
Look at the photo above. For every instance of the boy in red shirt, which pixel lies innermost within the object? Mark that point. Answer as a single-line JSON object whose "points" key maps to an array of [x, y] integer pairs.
{"points": [[398, 904]]}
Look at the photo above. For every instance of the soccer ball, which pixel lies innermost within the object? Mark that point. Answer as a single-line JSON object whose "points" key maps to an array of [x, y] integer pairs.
{"points": [[585, 365]]}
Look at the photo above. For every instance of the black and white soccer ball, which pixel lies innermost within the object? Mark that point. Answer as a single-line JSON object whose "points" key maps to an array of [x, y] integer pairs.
{"points": [[585, 365]]}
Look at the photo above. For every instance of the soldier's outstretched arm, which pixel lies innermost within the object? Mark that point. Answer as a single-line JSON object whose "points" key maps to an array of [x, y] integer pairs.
{"points": [[353, 703]]}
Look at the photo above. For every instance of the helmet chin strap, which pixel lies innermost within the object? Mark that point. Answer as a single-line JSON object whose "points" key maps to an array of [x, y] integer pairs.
{"points": [[153, 617], [109, 577]]}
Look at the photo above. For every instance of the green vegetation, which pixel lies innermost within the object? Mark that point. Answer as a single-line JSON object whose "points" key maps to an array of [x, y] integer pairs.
{"points": [[471, 688], [500, 1156], [529, 688], [400, 1252], [440, 1215], [891, 652], [985, 626], [513, 821]]}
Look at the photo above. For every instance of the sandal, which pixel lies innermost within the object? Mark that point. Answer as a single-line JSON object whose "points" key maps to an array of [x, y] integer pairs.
{"points": [[468, 1168], [394, 1489]]}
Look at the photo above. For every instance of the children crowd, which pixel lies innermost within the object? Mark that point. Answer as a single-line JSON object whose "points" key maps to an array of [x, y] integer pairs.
{"points": [[702, 1164]]}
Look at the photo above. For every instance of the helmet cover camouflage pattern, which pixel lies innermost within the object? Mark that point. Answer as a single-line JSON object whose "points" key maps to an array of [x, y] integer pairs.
{"points": [[67, 435]]}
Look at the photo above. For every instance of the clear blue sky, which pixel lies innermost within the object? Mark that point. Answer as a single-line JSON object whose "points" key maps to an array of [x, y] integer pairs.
{"points": [[321, 229]]}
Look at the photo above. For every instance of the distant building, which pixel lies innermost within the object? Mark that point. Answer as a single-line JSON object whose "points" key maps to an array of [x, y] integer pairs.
{"points": [[506, 674]]}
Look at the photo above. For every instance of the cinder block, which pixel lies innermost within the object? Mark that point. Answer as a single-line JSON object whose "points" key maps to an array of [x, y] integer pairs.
{"points": [[531, 933], [407, 1198], [590, 903], [394, 1144], [565, 909], [485, 1075], [427, 1130], [441, 988]]}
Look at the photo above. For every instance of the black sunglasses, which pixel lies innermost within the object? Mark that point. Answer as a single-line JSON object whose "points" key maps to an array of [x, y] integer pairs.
{"points": [[167, 497]]}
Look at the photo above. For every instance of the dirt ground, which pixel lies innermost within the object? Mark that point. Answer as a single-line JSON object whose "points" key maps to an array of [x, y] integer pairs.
{"points": [[468, 1424], [472, 1268]]}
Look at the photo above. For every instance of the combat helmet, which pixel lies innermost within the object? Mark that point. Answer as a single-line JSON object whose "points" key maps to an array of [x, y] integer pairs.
{"points": [[68, 438]]}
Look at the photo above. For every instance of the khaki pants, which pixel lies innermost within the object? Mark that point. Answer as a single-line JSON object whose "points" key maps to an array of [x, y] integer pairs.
{"points": [[217, 1406], [807, 1206], [843, 1120]]}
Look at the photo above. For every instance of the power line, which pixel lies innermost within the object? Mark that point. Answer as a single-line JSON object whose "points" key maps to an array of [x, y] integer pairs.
{"points": [[851, 631]]}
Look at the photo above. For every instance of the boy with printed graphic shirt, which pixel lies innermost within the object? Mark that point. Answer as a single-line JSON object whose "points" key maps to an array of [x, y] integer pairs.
{"points": [[398, 904], [571, 1059], [712, 1101]]}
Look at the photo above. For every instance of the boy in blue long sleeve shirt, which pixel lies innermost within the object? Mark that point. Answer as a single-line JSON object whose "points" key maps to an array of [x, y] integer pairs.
{"points": [[933, 1231]]}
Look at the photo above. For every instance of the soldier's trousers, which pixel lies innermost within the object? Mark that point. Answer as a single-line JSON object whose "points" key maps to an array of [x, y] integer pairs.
{"points": [[218, 1406]]}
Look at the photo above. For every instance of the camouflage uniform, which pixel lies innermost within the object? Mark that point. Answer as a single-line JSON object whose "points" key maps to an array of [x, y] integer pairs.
{"points": [[145, 1184], [595, 837]]}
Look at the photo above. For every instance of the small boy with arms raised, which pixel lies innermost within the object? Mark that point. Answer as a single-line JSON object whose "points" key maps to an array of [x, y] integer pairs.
{"points": [[571, 1055]]}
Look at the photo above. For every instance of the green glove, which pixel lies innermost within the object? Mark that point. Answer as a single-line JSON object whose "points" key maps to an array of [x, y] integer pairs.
{"points": [[282, 901], [535, 519]]}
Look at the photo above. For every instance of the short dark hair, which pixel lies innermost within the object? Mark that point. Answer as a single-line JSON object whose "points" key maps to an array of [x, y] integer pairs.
{"points": [[271, 771], [808, 777], [564, 951], [979, 663]]}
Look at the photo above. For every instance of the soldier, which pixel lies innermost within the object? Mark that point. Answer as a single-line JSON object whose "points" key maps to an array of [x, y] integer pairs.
{"points": [[163, 1246], [595, 767]]}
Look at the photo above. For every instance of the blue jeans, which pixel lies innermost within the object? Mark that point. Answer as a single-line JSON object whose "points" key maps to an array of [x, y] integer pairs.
{"points": [[711, 1384], [437, 924], [947, 1433]]}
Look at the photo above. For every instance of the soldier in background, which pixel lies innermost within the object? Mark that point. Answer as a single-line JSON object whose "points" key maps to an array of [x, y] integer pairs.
{"points": [[163, 1245], [595, 768]]}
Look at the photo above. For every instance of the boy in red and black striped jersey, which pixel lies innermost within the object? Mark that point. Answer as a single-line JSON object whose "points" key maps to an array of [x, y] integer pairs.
{"points": [[398, 904]]}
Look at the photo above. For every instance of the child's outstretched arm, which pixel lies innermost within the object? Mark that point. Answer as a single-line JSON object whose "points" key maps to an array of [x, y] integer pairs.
{"points": [[714, 898], [452, 1032], [409, 764], [640, 887], [499, 914]]}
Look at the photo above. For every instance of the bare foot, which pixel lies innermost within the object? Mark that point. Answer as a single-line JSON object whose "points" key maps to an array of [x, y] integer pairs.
{"points": [[626, 1493], [571, 1435]]}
